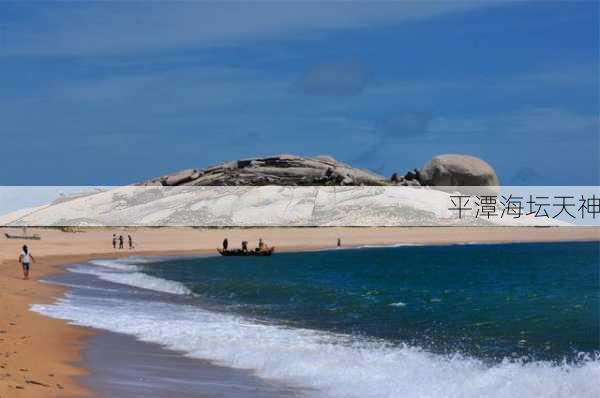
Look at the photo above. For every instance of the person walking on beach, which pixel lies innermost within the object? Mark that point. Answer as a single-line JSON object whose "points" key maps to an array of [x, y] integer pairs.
{"points": [[120, 241], [225, 244], [114, 241], [130, 240], [24, 258]]}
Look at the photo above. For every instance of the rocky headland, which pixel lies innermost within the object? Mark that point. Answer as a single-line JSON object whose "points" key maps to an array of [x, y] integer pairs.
{"points": [[292, 170]]}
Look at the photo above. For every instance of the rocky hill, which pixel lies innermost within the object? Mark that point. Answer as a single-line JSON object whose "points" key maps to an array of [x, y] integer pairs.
{"points": [[292, 170], [283, 190], [289, 170]]}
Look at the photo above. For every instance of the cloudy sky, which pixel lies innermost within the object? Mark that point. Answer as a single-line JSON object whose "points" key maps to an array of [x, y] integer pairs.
{"points": [[113, 93]]}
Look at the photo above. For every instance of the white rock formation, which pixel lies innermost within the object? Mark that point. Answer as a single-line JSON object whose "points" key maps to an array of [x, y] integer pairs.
{"points": [[259, 206]]}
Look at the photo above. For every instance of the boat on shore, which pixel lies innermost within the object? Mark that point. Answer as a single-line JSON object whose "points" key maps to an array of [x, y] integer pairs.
{"points": [[240, 252], [34, 236]]}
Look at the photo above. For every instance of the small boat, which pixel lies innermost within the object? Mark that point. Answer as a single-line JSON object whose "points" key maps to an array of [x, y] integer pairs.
{"points": [[240, 252], [34, 236]]}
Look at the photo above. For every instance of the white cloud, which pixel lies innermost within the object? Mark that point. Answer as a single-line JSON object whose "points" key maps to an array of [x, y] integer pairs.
{"points": [[342, 78], [549, 122], [132, 27]]}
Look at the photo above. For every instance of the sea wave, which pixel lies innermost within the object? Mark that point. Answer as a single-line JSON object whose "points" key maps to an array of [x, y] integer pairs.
{"points": [[391, 245], [126, 272], [331, 365]]}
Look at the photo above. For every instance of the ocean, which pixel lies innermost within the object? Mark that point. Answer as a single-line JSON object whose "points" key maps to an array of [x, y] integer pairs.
{"points": [[497, 320]]}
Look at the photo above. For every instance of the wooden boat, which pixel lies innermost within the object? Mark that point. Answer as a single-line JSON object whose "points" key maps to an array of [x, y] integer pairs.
{"points": [[34, 236], [240, 252]]}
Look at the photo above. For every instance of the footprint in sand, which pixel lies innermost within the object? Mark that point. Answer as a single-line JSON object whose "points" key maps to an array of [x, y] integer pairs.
{"points": [[37, 383]]}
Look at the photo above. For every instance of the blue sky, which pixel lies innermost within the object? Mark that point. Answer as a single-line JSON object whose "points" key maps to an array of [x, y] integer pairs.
{"points": [[114, 93]]}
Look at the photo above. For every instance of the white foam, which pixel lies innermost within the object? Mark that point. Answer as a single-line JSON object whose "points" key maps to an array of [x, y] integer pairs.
{"points": [[333, 365], [391, 245], [115, 264], [360, 247], [126, 273], [397, 304]]}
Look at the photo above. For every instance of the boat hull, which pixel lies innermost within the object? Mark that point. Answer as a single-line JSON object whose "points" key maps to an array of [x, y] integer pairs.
{"points": [[241, 253], [33, 237]]}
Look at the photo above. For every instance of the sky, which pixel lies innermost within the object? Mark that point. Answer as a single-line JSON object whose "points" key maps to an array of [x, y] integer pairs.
{"points": [[102, 93]]}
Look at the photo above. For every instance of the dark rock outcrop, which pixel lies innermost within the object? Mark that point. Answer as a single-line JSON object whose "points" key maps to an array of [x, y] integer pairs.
{"points": [[458, 170], [410, 179], [276, 170], [291, 170], [412, 175]]}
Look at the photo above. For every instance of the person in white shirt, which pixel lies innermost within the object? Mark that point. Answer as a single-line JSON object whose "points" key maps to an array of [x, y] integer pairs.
{"points": [[25, 258]]}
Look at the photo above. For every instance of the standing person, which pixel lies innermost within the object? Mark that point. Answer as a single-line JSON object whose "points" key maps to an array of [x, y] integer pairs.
{"points": [[339, 242], [261, 244], [130, 239], [244, 246], [225, 244], [120, 241], [24, 259], [114, 241]]}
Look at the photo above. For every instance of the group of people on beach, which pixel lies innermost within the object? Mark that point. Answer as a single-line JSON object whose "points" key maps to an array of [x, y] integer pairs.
{"points": [[262, 246], [120, 240]]}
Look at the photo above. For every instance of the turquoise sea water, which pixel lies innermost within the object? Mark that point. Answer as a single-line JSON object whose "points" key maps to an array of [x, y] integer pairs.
{"points": [[538, 301]]}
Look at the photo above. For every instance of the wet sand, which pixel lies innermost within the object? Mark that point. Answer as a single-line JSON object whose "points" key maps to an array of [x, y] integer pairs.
{"points": [[39, 356], [124, 367]]}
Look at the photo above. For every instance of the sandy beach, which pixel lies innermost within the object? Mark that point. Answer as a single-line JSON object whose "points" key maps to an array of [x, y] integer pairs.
{"points": [[39, 355]]}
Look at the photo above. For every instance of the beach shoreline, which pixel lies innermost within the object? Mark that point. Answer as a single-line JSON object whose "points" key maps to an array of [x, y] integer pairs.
{"points": [[41, 356]]}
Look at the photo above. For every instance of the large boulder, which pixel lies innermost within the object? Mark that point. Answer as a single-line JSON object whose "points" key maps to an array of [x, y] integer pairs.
{"points": [[274, 170], [458, 170]]}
